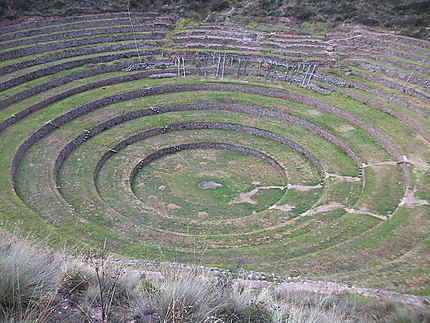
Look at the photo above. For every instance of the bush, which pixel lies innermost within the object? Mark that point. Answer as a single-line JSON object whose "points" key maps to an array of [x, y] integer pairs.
{"points": [[119, 287], [219, 5], [303, 13], [20, 4], [253, 313], [244, 304], [27, 278], [100, 284], [184, 297], [103, 291], [301, 306], [76, 281], [58, 4]]}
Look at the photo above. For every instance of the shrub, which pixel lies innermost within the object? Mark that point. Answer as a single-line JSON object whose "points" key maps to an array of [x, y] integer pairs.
{"points": [[244, 304], [184, 297], [303, 13], [402, 315], [118, 286], [219, 5], [253, 313], [76, 281], [388, 311], [20, 4], [58, 4], [107, 286], [27, 278], [298, 306]]}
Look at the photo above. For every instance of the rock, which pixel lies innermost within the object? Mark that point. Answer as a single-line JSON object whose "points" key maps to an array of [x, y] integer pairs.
{"points": [[209, 185], [172, 206], [202, 215]]}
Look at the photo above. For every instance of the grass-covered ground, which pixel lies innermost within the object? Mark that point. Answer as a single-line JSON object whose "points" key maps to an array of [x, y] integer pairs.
{"points": [[329, 222]]}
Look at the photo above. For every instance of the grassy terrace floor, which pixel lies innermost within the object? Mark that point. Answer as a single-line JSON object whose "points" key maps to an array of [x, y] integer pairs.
{"points": [[343, 222]]}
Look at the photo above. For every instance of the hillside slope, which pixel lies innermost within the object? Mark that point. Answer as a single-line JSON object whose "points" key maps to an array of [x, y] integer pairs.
{"points": [[408, 17]]}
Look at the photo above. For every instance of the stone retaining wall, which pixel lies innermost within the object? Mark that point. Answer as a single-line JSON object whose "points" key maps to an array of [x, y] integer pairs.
{"points": [[188, 126], [312, 102], [406, 40], [82, 33], [43, 48], [403, 119], [396, 86], [389, 98], [405, 77], [24, 29], [283, 282], [234, 34], [71, 64], [250, 48], [90, 106], [77, 52], [207, 145], [241, 42]]}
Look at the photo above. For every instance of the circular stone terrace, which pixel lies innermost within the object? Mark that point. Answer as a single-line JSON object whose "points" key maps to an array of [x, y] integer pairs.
{"points": [[301, 154]]}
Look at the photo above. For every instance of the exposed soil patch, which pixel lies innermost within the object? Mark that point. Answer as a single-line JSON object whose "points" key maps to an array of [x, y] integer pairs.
{"points": [[323, 208], [314, 112], [303, 188], [209, 185], [345, 178], [284, 207], [202, 215], [418, 163], [172, 206], [346, 128], [246, 197], [363, 211], [381, 163], [410, 198]]}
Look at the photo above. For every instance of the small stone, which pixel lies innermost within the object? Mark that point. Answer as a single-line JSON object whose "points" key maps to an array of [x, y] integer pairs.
{"points": [[202, 215], [172, 206], [209, 184]]}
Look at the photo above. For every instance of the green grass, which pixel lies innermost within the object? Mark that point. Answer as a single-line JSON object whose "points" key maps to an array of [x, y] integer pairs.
{"points": [[69, 23], [163, 215], [71, 39], [383, 190], [421, 292]]}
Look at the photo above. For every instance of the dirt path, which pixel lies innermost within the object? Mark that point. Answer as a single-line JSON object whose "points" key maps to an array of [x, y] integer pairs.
{"points": [[284, 207], [344, 178], [379, 216], [410, 198], [380, 164], [247, 196], [323, 208]]}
